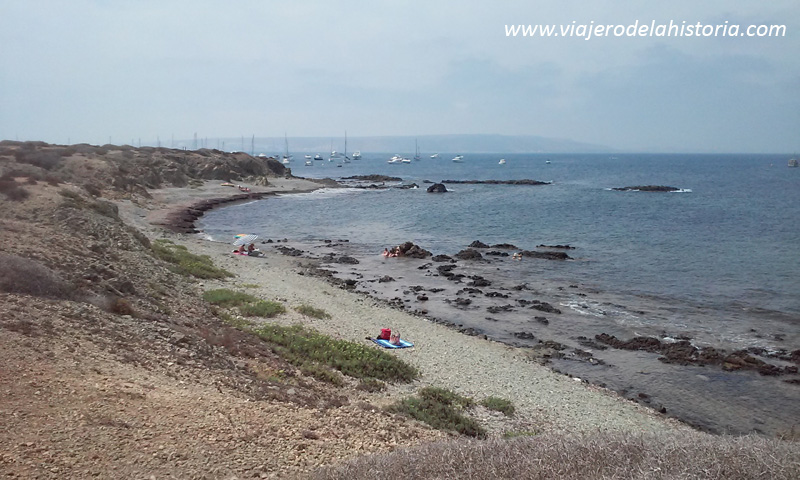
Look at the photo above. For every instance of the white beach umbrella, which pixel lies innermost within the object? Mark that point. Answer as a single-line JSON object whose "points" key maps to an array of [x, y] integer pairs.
{"points": [[244, 239]]}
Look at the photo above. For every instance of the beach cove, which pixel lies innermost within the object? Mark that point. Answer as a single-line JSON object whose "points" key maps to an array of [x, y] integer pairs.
{"points": [[545, 400], [556, 324]]}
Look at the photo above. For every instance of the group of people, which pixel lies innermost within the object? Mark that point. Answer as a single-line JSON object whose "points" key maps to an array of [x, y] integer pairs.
{"points": [[394, 252], [251, 250], [517, 256]]}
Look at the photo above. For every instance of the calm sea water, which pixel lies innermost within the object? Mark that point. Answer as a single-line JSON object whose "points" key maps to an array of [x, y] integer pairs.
{"points": [[732, 241]]}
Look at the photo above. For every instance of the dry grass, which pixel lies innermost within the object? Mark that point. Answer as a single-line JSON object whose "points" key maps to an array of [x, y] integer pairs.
{"points": [[599, 456]]}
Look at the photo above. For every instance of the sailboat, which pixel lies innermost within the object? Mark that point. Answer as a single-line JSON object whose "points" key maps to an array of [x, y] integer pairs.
{"points": [[345, 158], [286, 156], [502, 161], [435, 155], [416, 150]]}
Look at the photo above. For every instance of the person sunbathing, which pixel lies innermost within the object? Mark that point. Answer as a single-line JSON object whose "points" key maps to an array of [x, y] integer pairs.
{"points": [[394, 339]]}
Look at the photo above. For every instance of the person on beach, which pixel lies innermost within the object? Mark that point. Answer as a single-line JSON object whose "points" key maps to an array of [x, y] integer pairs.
{"points": [[394, 339], [253, 251], [240, 250], [385, 252]]}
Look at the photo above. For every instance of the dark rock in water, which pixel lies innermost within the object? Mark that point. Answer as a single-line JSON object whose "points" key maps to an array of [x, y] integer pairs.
{"points": [[506, 246], [422, 297], [478, 281], [385, 279], [542, 320], [496, 295], [408, 249], [497, 253], [469, 291], [545, 255], [374, 178], [408, 186], [478, 244], [499, 182], [292, 252], [347, 259], [520, 288], [565, 247], [425, 266], [463, 301], [684, 353], [445, 268], [442, 258], [524, 335], [544, 307], [647, 188], [498, 309], [469, 254], [437, 188], [350, 282]]}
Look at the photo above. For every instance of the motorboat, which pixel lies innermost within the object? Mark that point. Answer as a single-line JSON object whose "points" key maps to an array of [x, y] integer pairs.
{"points": [[547, 161], [458, 158], [792, 162], [396, 159], [357, 155], [435, 155], [309, 163], [318, 157], [502, 161], [308, 157]]}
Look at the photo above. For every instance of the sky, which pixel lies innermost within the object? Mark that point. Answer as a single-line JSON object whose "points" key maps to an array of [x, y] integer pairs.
{"points": [[99, 71]]}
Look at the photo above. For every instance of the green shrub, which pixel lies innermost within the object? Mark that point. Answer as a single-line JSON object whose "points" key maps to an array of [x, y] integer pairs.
{"points": [[310, 311], [499, 405], [441, 409], [322, 373], [262, 308], [185, 262], [371, 385], [225, 297], [297, 345]]}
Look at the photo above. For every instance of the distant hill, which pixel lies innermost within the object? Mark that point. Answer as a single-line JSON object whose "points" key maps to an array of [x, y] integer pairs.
{"points": [[428, 144]]}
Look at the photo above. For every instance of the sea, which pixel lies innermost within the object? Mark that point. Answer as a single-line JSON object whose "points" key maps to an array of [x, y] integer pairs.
{"points": [[717, 261]]}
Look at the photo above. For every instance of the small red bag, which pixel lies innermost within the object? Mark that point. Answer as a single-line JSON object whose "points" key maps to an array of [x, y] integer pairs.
{"points": [[386, 333]]}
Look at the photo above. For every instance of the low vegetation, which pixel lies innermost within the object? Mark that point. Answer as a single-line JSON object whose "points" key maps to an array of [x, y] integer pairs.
{"points": [[561, 457], [29, 277], [441, 409], [186, 263], [300, 345], [262, 308], [499, 405], [310, 311]]}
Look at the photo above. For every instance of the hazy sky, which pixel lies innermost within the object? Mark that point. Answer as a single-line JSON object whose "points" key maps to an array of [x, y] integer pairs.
{"points": [[84, 71]]}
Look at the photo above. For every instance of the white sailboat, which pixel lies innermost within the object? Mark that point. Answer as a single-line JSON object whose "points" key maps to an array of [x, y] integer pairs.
{"points": [[435, 155], [345, 158], [458, 159], [286, 156], [416, 150]]}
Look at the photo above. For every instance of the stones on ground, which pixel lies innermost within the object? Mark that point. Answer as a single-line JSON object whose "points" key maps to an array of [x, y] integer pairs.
{"points": [[501, 308], [385, 279]]}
